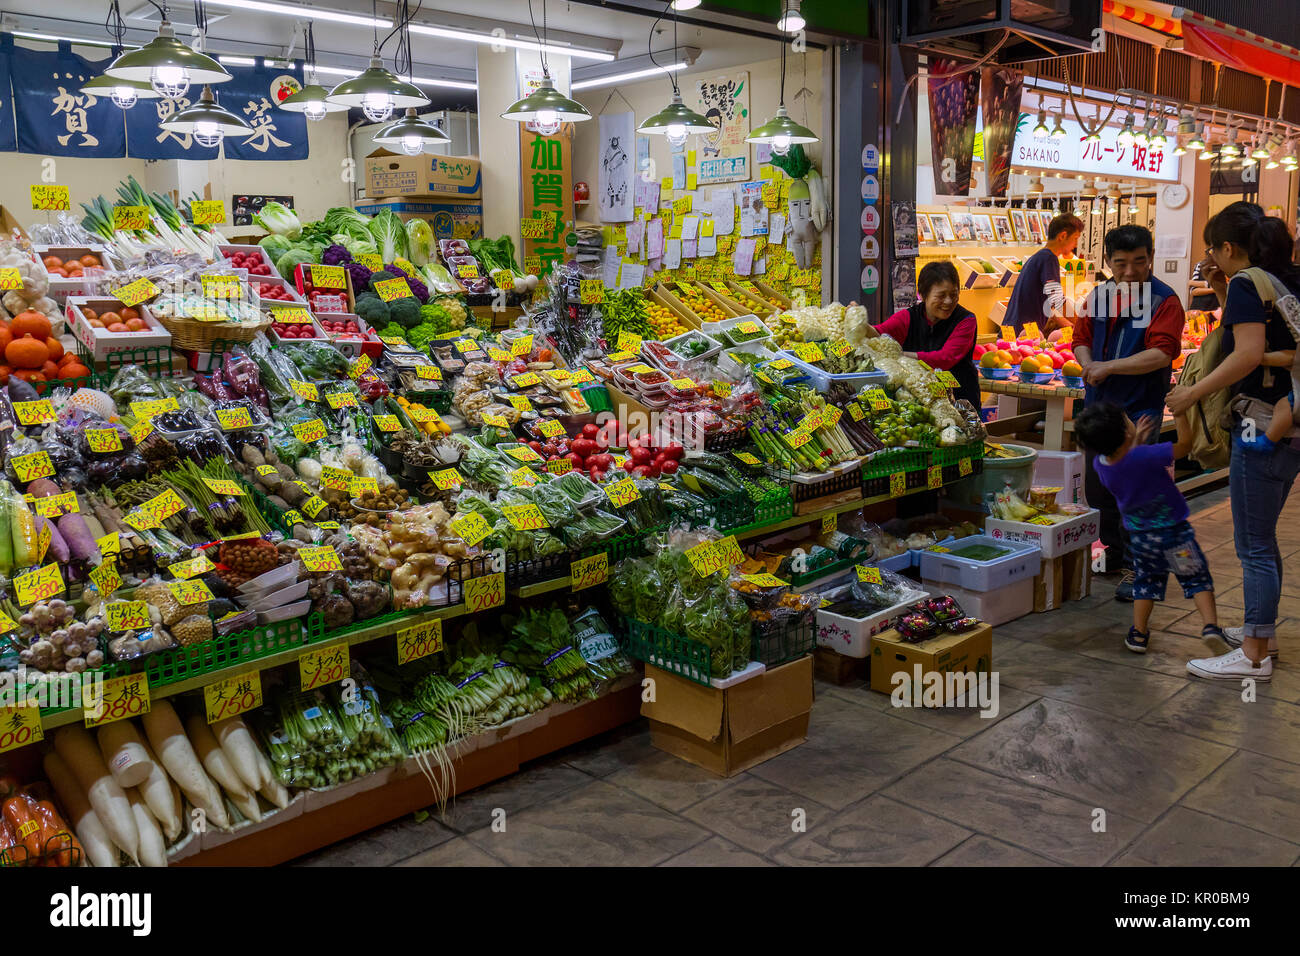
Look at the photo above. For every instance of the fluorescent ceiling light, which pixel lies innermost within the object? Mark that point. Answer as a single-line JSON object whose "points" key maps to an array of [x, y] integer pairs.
{"points": [[417, 80], [471, 37], [625, 77], [310, 13], [56, 39], [238, 60]]}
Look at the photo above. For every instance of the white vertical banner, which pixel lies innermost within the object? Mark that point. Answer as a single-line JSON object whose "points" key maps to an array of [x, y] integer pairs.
{"points": [[615, 179], [528, 71]]}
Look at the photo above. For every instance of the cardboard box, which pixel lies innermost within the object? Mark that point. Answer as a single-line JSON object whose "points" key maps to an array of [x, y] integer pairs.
{"points": [[1049, 585], [449, 220], [835, 668], [727, 731], [395, 174], [1077, 574], [9, 223], [967, 653], [1053, 540]]}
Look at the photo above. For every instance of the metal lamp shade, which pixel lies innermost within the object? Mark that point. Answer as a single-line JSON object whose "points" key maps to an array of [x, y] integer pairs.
{"points": [[165, 51], [410, 127], [546, 99], [105, 85], [676, 114], [377, 81], [207, 116], [781, 127], [318, 95]]}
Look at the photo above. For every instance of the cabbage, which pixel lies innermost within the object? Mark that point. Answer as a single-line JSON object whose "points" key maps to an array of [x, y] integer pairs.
{"points": [[346, 219], [359, 247], [278, 218], [419, 240], [297, 255], [275, 246], [389, 235]]}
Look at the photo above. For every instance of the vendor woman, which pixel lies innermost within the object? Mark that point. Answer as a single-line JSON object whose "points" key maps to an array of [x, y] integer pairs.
{"points": [[937, 330]]}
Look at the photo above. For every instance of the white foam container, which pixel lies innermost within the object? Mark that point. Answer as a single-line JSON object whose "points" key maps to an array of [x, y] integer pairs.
{"points": [[994, 607], [1064, 470], [297, 609], [851, 636], [271, 580], [274, 599], [950, 570], [96, 283], [823, 380]]}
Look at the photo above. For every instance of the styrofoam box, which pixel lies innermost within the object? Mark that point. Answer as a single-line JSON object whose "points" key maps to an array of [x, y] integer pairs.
{"points": [[711, 328], [100, 342], [952, 570], [1053, 540], [1064, 470], [349, 347], [915, 553], [851, 636], [992, 607], [91, 284], [758, 347], [823, 380]]}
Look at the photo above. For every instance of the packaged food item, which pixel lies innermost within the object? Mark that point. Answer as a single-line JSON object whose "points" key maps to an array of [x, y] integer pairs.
{"points": [[944, 608], [962, 624], [1044, 498], [917, 624]]}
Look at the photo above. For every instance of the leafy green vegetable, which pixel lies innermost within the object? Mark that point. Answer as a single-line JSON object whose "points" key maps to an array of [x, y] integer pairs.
{"points": [[278, 218], [405, 311], [389, 234], [419, 241], [275, 246], [295, 256]]}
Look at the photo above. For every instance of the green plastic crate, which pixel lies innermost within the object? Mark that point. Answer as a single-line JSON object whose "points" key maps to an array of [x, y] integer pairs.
{"points": [[223, 653], [316, 632], [886, 462], [771, 510], [783, 642], [667, 651], [945, 455]]}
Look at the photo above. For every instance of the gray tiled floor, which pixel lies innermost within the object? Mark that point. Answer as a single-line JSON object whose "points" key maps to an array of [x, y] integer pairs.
{"points": [[1097, 756]]}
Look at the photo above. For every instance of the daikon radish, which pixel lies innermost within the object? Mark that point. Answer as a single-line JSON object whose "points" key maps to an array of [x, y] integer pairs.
{"points": [[112, 807], [163, 797], [168, 740], [248, 806], [275, 793], [214, 759], [153, 851], [241, 750], [123, 754], [85, 823]]}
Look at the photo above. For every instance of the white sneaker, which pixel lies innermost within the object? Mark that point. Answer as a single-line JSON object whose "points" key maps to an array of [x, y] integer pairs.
{"points": [[1234, 665], [1233, 636]]}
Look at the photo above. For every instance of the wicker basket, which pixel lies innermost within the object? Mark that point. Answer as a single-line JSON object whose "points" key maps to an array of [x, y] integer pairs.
{"points": [[199, 336]]}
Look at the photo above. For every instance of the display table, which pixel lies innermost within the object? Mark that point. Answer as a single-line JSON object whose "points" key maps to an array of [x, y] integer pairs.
{"points": [[1058, 408]]}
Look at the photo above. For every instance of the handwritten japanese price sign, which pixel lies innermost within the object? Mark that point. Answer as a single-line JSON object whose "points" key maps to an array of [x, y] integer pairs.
{"points": [[314, 506], [191, 568], [130, 217], [190, 592], [523, 477], [809, 351], [520, 402], [721, 389], [152, 407], [591, 291], [525, 380], [360, 366], [309, 431], [964, 466], [522, 345], [629, 342], [370, 261], [829, 523], [878, 399], [208, 212], [589, 572], [897, 484], [328, 277], [447, 479], [485, 593], [868, 575], [50, 196], [495, 420], [341, 400], [324, 558], [291, 314], [106, 578], [10, 279], [325, 665], [387, 423], [221, 286], [560, 466], [419, 641], [525, 517], [582, 377], [428, 373], [946, 378], [126, 615], [224, 486], [19, 726], [523, 453], [934, 477], [361, 484], [57, 505], [102, 440], [165, 505], [232, 696], [533, 229], [33, 466], [746, 457], [232, 418], [390, 289], [122, 698], [471, 527], [622, 493], [35, 413], [499, 355]]}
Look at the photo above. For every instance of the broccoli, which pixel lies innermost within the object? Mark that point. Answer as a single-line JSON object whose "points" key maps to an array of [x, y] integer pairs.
{"points": [[405, 311], [381, 276], [374, 310], [392, 330], [422, 334]]}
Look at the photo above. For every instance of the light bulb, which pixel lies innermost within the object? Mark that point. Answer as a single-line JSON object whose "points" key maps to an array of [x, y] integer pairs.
{"points": [[412, 145], [1271, 164], [675, 133], [791, 20], [207, 133], [1041, 131], [1096, 208], [315, 110], [685, 4], [170, 81], [1058, 131], [548, 118], [125, 96], [781, 144], [1248, 160], [377, 106], [547, 129], [1209, 154]]}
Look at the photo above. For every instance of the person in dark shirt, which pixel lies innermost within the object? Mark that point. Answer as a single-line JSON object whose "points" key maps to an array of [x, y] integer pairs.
{"points": [[1037, 295], [1261, 473]]}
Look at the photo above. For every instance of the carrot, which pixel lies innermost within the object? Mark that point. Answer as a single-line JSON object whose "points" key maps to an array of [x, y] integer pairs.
{"points": [[57, 838], [25, 823], [11, 851]]}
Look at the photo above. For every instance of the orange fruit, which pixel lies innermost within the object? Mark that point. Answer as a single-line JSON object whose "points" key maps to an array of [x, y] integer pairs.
{"points": [[1072, 368], [1029, 366]]}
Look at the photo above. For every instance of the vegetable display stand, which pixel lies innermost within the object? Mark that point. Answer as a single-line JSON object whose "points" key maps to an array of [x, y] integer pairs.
{"points": [[887, 461], [770, 510], [521, 572], [723, 512], [219, 653], [945, 455], [390, 621], [726, 439]]}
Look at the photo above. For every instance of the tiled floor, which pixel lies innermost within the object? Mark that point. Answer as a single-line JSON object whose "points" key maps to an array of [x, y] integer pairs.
{"points": [[1097, 756]]}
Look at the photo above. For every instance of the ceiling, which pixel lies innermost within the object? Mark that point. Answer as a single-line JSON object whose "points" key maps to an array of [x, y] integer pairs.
{"points": [[242, 32]]}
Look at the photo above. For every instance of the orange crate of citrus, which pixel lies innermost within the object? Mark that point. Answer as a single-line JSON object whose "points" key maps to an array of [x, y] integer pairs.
{"points": [[665, 321], [706, 309]]}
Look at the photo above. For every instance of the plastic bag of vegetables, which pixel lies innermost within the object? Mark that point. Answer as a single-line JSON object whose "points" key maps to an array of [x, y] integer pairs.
{"points": [[419, 241]]}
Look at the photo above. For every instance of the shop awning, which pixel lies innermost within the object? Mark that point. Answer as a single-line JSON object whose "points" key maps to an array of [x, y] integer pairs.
{"points": [[1240, 49]]}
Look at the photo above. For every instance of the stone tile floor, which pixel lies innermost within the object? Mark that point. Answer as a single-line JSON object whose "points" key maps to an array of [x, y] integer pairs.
{"points": [[1182, 772]]}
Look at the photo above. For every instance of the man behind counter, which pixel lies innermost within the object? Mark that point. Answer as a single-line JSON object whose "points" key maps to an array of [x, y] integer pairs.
{"points": [[1037, 295]]}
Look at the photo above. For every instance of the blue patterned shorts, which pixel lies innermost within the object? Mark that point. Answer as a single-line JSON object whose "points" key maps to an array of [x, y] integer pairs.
{"points": [[1157, 551]]}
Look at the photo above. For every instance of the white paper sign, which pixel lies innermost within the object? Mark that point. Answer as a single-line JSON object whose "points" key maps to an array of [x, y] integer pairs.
{"points": [[776, 236], [631, 275], [679, 171], [635, 233], [689, 249], [690, 227], [708, 246], [615, 192], [743, 257], [654, 239], [672, 253], [724, 212], [609, 268]]}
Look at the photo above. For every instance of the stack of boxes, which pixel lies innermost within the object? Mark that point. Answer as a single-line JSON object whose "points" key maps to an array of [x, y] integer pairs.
{"points": [[447, 191]]}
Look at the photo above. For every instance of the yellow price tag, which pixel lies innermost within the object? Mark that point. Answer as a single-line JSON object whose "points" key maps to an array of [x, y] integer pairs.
{"points": [[934, 477], [121, 699], [533, 228], [868, 575], [141, 430], [40, 412], [183, 570], [387, 423], [50, 197], [829, 523], [133, 293], [525, 517], [309, 431], [290, 315], [447, 479], [798, 438], [341, 400], [391, 289], [126, 615], [111, 543], [897, 484], [589, 572], [721, 389], [322, 666], [591, 291], [20, 726], [471, 527], [130, 217], [305, 390], [629, 342], [499, 355], [10, 279], [809, 352], [165, 505], [360, 366], [232, 696], [765, 580], [106, 578], [522, 345], [336, 478], [746, 457], [141, 520], [582, 377], [523, 477], [964, 466], [419, 641], [622, 493], [495, 420], [33, 466], [314, 506], [855, 411], [1031, 331], [523, 453], [221, 286], [520, 402], [224, 486], [485, 593], [152, 407], [208, 212], [328, 277], [321, 559], [102, 440], [560, 466], [233, 418], [57, 505], [190, 592], [361, 484], [428, 373]]}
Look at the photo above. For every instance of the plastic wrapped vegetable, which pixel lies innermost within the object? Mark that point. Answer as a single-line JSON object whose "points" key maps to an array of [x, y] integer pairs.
{"points": [[419, 241], [278, 218]]}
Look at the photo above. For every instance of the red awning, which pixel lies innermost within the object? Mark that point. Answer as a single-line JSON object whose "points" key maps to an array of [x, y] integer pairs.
{"points": [[1242, 50]]}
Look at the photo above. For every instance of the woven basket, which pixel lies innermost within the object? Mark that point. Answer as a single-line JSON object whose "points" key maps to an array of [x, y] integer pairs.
{"points": [[199, 336]]}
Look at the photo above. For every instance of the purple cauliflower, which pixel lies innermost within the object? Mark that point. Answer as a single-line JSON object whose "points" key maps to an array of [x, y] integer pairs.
{"points": [[336, 256], [360, 275]]}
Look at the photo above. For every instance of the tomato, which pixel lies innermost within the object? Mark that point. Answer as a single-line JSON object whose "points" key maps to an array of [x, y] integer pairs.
{"points": [[537, 447], [578, 461], [590, 431], [640, 455], [640, 471], [674, 451], [670, 467]]}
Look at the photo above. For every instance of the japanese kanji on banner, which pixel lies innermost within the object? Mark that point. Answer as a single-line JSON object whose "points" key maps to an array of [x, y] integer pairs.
{"points": [[254, 94], [546, 170], [53, 116], [146, 139]]}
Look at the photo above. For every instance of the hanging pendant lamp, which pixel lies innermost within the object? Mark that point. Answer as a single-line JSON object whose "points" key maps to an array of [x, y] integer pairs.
{"points": [[313, 99], [546, 107], [675, 121], [411, 134], [123, 93], [781, 131], [207, 121], [168, 65], [377, 92]]}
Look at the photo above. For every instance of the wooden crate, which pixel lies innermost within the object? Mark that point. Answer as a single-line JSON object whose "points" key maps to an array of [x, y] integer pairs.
{"points": [[728, 305], [661, 295], [745, 299], [773, 293]]}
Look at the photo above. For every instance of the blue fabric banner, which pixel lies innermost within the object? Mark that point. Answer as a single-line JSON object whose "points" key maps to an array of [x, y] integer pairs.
{"points": [[52, 115], [146, 139], [254, 94], [8, 135]]}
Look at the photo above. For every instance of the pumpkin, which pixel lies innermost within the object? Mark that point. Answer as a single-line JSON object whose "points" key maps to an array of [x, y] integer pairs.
{"points": [[30, 323], [5, 338], [54, 345], [4, 374], [50, 370], [29, 375], [27, 352], [73, 370]]}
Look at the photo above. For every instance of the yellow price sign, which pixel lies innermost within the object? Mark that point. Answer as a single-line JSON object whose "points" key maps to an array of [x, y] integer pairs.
{"points": [[305, 390], [208, 212], [765, 580], [471, 527], [523, 477], [1030, 331], [523, 453], [121, 699], [747, 458], [291, 518], [109, 544], [946, 378], [328, 277], [141, 520], [360, 366], [934, 477], [897, 484], [294, 314], [428, 373], [40, 412], [341, 400], [141, 430], [106, 578], [868, 575], [233, 418], [392, 289], [526, 380], [50, 197], [419, 641], [10, 279], [322, 666], [749, 328], [103, 440], [520, 402], [447, 479], [622, 493], [829, 523], [629, 342], [721, 389], [221, 286], [589, 572], [809, 352], [33, 466], [314, 506], [522, 345], [57, 505], [533, 229], [370, 261], [499, 355], [130, 217], [485, 593], [20, 726], [152, 407], [336, 478], [224, 486], [580, 377], [855, 411], [192, 568], [361, 484], [387, 423], [560, 466], [495, 420], [591, 291], [190, 592], [126, 615], [798, 438], [964, 466], [309, 431], [879, 400], [232, 696], [706, 558], [617, 357], [682, 384], [525, 517], [321, 559], [418, 413]]}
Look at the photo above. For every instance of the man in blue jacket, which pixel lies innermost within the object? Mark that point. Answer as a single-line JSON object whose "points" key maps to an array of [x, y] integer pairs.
{"points": [[1128, 336]]}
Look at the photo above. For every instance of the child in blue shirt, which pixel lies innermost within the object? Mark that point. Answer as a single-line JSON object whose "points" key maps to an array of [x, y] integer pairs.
{"points": [[1140, 476]]}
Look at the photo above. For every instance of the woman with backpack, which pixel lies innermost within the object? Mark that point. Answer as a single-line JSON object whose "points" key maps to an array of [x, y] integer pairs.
{"points": [[1243, 241]]}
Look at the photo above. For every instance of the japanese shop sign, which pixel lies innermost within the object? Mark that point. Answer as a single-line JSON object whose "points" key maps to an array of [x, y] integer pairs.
{"points": [[546, 170], [1105, 157]]}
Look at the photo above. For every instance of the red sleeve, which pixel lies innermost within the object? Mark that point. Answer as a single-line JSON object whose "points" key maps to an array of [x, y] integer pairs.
{"points": [[957, 347], [1166, 329], [1083, 329], [896, 326]]}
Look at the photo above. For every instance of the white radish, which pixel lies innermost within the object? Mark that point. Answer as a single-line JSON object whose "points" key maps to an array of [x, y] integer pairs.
{"points": [[123, 753], [91, 834], [163, 797], [78, 749], [168, 740], [248, 806], [153, 850], [214, 758], [241, 749]]}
